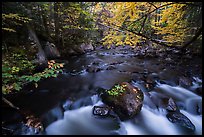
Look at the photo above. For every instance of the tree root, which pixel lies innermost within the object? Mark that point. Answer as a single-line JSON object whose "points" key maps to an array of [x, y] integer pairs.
{"points": [[9, 103]]}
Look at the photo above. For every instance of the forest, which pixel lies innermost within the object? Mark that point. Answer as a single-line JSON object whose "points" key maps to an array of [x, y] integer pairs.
{"points": [[101, 68]]}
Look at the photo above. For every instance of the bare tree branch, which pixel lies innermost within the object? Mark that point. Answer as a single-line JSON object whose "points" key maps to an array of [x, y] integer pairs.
{"points": [[151, 3], [144, 20]]}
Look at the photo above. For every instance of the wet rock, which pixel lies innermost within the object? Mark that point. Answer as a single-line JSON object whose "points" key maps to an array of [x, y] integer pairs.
{"points": [[185, 82], [111, 67], [161, 54], [126, 105], [115, 63], [187, 56], [168, 59], [67, 105], [171, 106], [124, 52], [75, 50], [139, 76], [51, 51], [93, 69], [180, 119], [138, 69], [101, 111], [96, 63], [154, 76], [149, 86], [176, 51], [85, 47], [99, 47], [150, 82]]}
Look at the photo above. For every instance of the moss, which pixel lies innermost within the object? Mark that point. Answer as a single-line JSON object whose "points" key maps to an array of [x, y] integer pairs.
{"points": [[116, 90]]}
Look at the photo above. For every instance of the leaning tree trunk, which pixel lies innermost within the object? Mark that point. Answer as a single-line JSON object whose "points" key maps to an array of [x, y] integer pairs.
{"points": [[41, 57]]}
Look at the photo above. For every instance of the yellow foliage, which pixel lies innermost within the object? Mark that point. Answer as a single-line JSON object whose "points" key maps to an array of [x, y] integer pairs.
{"points": [[173, 16], [165, 19]]}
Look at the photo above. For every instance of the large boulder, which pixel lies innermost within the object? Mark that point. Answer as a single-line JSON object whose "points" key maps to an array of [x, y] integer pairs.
{"points": [[51, 51], [180, 119], [86, 47], [175, 116], [126, 104], [78, 49]]}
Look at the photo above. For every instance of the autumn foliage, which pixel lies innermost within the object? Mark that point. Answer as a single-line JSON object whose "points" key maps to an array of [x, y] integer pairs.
{"points": [[129, 23]]}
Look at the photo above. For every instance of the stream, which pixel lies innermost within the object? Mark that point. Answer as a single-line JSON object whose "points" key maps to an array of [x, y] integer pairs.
{"points": [[65, 104]]}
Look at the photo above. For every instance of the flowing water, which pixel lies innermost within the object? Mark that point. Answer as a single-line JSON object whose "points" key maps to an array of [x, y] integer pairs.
{"points": [[65, 104], [150, 121]]}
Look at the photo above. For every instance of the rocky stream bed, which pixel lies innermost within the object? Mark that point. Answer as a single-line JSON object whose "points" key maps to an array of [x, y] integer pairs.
{"points": [[71, 103]]}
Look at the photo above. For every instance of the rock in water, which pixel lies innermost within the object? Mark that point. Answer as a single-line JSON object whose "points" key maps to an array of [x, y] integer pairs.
{"points": [[92, 69], [101, 111], [127, 104], [111, 67], [51, 51], [185, 82], [180, 119], [85, 47], [172, 107]]}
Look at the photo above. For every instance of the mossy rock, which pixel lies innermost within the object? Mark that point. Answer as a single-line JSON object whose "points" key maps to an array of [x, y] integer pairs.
{"points": [[126, 104]]}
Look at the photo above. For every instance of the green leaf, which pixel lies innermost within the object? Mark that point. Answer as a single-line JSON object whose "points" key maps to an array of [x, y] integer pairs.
{"points": [[60, 70], [55, 75], [36, 79], [52, 71], [27, 78], [47, 75], [17, 86]]}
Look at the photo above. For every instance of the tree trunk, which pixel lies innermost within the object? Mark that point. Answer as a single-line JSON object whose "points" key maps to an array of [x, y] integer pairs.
{"points": [[50, 18], [57, 26], [47, 31]]}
